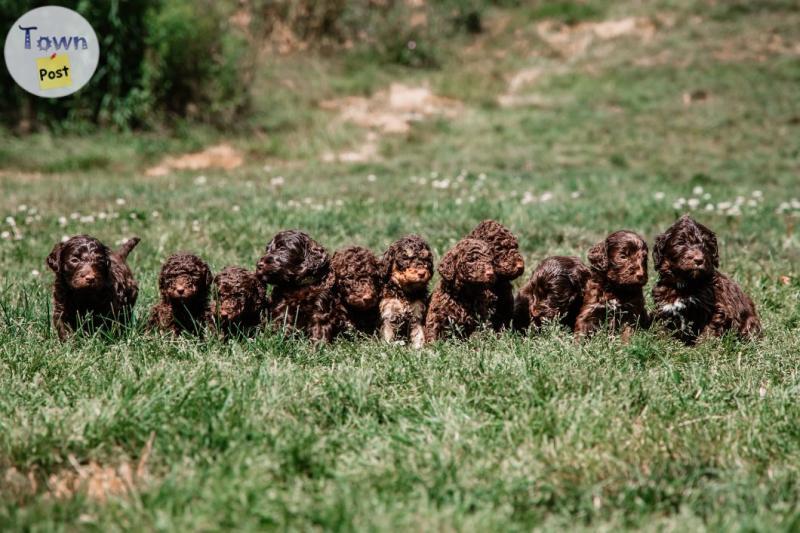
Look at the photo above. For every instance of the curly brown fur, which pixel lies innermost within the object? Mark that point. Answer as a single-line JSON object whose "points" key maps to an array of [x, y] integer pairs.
{"points": [[554, 292], [508, 266], [357, 288], [407, 267], [463, 300], [183, 284], [94, 287], [693, 299], [240, 299], [302, 298], [614, 290]]}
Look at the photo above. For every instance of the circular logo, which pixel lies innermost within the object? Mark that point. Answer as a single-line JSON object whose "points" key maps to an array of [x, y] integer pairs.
{"points": [[51, 51]]}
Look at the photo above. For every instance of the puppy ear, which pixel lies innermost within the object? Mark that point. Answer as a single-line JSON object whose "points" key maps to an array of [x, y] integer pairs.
{"points": [[658, 250], [386, 263], [598, 256], [710, 243], [316, 260], [448, 265], [209, 277], [54, 259]]}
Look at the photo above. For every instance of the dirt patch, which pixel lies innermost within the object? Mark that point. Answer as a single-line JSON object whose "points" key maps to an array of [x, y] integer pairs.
{"points": [[575, 40], [97, 481], [393, 110], [221, 156], [388, 112]]}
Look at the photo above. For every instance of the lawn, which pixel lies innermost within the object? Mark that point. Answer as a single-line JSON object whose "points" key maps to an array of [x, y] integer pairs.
{"points": [[628, 119]]}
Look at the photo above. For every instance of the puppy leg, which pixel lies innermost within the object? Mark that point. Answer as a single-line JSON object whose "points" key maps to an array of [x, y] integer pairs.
{"points": [[390, 310], [417, 330]]}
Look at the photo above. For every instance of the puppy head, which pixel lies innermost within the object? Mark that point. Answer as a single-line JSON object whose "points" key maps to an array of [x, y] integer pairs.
{"points": [[357, 276], [687, 250], [184, 277], [557, 288], [468, 264], [408, 263], [293, 258], [621, 258], [82, 263], [508, 263], [238, 292]]}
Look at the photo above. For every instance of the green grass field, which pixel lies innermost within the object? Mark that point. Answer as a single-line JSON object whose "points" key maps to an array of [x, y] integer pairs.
{"points": [[563, 135]]}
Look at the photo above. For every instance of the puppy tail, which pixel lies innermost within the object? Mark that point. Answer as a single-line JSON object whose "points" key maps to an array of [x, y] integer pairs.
{"points": [[126, 247]]}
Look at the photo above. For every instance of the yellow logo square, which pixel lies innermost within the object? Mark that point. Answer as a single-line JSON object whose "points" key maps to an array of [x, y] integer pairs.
{"points": [[54, 71]]}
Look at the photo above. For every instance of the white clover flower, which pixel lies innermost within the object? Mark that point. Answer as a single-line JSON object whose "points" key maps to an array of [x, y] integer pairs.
{"points": [[133, 216], [35, 273], [22, 207], [752, 203], [658, 196], [277, 181], [371, 178], [458, 201], [575, 195], [5, 235], [440, 184], [64, 238], [200, 180], [482, 176], [693, 203], [11, 222], [236, 208], [734, 211], [709, 207], [339, 202], [120, 201], [102, 215], [795, 203], [155, 214], [739, 200], [411, 45], [88, 219], [706, 196], [29, 219], [434, 174], [472, 199], [546, 196], [723, 206], [697, 190], [74, 215], [528, 198], [195, 225], [757, 194]]}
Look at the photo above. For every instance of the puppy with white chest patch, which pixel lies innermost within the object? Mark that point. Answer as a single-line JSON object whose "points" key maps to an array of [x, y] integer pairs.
{"points": [[693, 299]]}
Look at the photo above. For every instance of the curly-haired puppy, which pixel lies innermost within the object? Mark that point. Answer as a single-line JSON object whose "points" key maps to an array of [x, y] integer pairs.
{"points": [[614, 290], [407, 268], [302, 298], [463, 300], [693, 299], [357, 287], [554, 292], [184, 285], [239, 301], [93, 285], [508, 266]]}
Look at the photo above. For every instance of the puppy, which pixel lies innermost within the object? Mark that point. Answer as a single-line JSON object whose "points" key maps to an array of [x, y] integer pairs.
{"points": [[93, 285], [508, 266], [614, 290], [463, 300], [554, 292], [358, 288], [407, 267], [693, 299], [184, 284], [302, 298], [239, 302]]}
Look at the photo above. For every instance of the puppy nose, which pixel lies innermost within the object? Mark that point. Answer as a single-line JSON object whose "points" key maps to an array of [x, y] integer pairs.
{"points": [[224, 313], [698, 260], [89, 277], [180, 289]]}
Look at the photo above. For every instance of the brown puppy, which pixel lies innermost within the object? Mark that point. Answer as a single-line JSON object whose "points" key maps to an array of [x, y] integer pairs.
{"points": [[407, 268], [693, 299], [239, 302], [554, 292], [463, 300], [93, 287], [614, 290], [302, 298], [508, 266], [184, 284], [358, 288]]}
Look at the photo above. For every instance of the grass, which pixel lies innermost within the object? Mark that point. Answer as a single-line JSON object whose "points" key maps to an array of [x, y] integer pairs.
{"points": [[501, 433]]}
